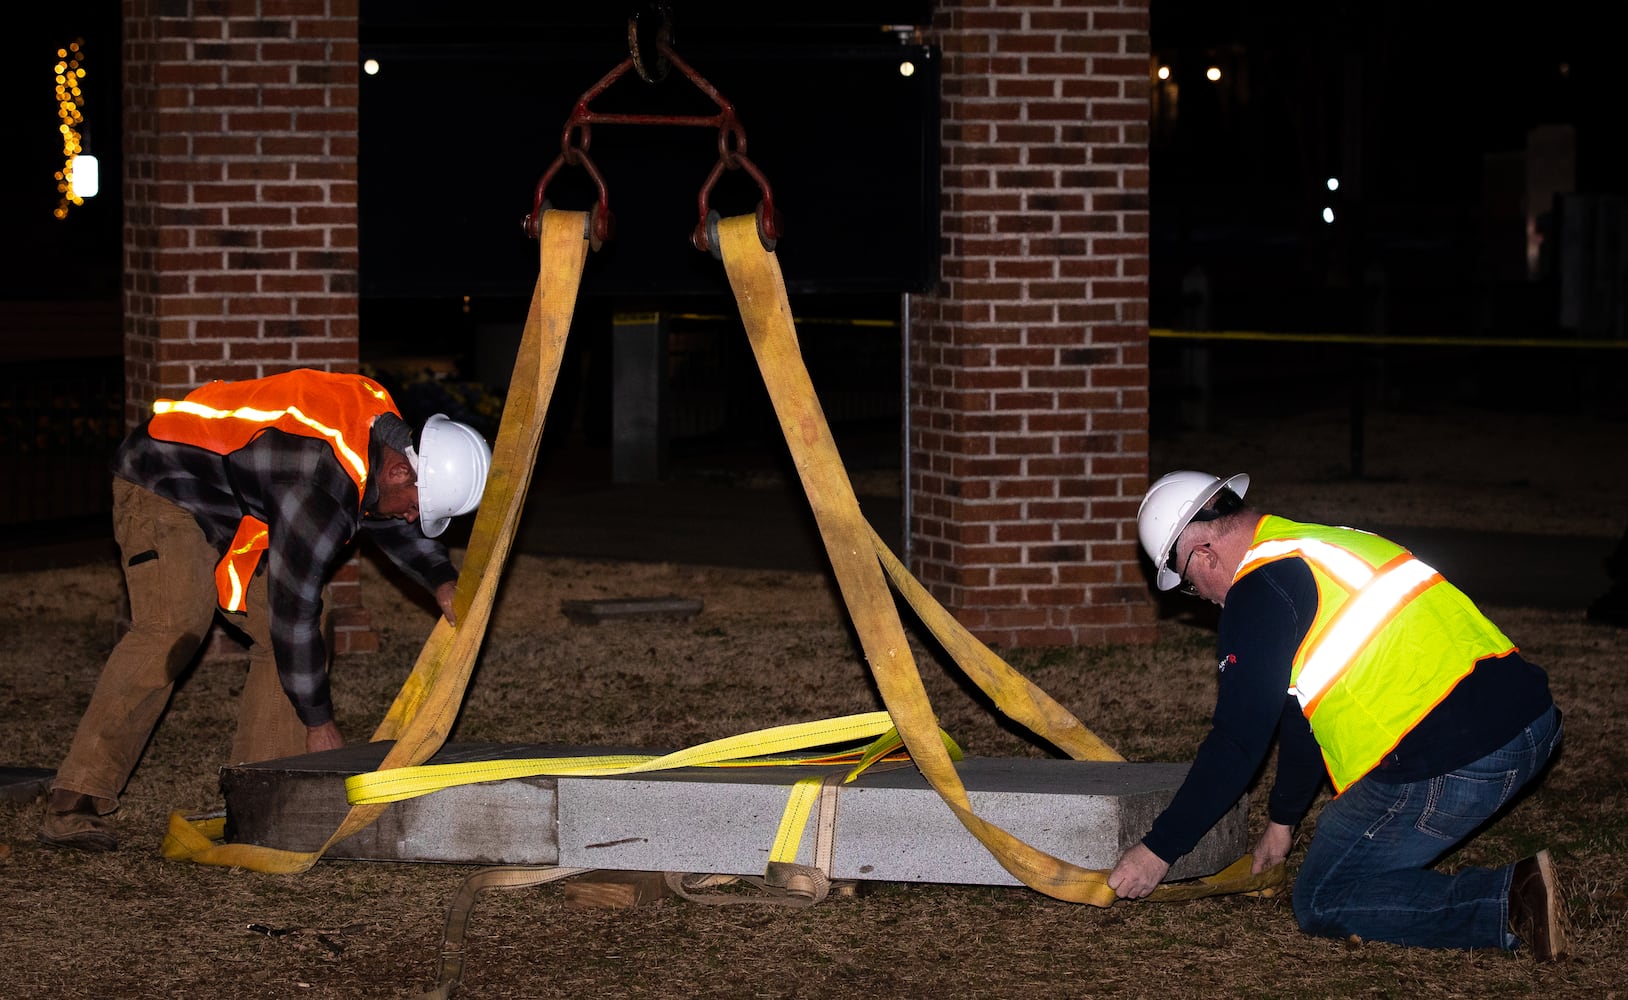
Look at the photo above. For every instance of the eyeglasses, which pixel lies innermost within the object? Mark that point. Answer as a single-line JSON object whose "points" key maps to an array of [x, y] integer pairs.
{"points": [[1225, 501], [1186, 586]]}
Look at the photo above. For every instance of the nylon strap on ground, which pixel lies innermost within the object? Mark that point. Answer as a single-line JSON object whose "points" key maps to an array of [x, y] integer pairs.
{"points": [[777, 746], [463, 906], [429, 700], [754, 274]]}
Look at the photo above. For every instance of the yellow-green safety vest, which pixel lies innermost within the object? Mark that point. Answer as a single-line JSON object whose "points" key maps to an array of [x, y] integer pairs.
{"points": [[1390, 639]]}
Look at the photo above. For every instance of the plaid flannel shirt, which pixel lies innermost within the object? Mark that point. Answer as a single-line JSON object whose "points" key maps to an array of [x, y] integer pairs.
{"points": [[298, 488]]}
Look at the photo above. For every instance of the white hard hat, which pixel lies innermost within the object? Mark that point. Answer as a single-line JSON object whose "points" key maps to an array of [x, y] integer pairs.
{"points": [[452, 462], [1169, 506]]}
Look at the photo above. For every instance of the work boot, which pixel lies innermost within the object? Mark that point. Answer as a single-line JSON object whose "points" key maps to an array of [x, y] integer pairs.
{"points": [[1536, 912], [72, 820]]}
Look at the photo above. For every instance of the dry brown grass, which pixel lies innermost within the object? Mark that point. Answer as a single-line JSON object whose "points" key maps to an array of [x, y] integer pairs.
{"points": [[770, 647]]}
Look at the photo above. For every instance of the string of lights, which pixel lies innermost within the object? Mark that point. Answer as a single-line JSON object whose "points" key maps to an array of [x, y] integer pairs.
{"points": [[71, 112]]}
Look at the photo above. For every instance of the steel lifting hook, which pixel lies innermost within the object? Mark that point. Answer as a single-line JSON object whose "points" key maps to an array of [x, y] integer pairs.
{"points": [[646, 35], [577, 136]]}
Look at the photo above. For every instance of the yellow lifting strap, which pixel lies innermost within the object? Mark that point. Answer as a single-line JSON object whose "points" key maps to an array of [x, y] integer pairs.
{"points": [[428, 702], [859, 561], [778, 746]]}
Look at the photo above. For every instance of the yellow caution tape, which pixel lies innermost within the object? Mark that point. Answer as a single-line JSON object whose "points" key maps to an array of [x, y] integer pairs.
{"points": [[1391, 339]]}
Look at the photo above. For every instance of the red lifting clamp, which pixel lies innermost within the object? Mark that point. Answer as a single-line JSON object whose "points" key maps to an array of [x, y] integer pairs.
{"points": [[731, 141]]}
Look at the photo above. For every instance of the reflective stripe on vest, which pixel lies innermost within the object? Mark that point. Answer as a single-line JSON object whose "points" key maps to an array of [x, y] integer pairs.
{"points": [[1389, 640], [1355, 625], [223, 417], [242, 556], [1350, 570], [355, 464]]}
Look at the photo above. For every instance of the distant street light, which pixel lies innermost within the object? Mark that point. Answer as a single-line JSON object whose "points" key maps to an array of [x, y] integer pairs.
{"points": [[1333, 183], [1164, 72], [1213, 73], [371, 67], [1328, 215]]}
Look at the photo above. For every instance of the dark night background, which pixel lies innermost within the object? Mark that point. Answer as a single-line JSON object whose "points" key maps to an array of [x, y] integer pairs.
{"points": [[1424, 111], [1419, 109]]}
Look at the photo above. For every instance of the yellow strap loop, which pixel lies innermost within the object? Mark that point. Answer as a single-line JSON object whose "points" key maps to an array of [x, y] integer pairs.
{"points": [[858, 562], [396, 784], [463, 907], [428, 702], [789, 837], [1014, 694]]}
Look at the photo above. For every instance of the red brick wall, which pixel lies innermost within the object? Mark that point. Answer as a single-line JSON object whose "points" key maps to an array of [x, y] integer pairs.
{"points": [[240, 190], [239, 174], [1028, 363]]}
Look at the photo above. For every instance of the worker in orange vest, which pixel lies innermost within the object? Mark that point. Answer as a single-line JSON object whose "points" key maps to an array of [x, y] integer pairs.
{"points": [[242, 498]]}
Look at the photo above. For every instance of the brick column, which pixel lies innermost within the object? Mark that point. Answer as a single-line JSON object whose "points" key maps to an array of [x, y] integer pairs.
{"points": [[240, 121], [1028, 362]]}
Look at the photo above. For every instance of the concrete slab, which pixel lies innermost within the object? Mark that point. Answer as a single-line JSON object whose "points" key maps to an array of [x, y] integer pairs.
{"points": [[891, 826], [296, 803], [23, 784]]}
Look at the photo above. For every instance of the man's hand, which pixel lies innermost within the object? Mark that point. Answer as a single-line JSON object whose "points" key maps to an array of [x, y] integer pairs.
{"points": [[443, 597], [323, 737], [1139, 871], [1273, 847]]}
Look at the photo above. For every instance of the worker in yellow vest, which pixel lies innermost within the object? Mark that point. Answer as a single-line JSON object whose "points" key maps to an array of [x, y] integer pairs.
{"points": [[1377, 673], [243, 498]]}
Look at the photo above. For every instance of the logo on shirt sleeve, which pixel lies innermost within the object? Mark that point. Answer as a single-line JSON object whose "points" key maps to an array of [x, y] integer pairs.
{"points": [[1226, 661]]}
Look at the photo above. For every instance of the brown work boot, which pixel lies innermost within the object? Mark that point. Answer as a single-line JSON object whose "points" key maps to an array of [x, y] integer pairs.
{"points": [[72, 820], [1536, 912]]}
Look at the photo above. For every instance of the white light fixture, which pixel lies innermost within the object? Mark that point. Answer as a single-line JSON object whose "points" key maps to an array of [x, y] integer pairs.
{"points": [[371, 67], [1328, 215], [907, 68], [87, 176], [1333, 183]]}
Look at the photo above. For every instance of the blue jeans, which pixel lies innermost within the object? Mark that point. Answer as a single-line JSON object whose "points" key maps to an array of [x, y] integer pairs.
{"points": [[1368, 871]]}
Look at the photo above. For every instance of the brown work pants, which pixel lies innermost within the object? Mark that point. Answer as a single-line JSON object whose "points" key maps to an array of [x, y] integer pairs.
{"points": [[169, 571]]}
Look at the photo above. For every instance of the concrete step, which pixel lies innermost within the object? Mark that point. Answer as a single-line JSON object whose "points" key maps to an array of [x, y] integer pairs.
{"points": [[891, 826]]}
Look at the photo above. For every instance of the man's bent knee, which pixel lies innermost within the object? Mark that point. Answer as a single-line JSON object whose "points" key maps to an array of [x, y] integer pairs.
{"points": [[1312, 919]]}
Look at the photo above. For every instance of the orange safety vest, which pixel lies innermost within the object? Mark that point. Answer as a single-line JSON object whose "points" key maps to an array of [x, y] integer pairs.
{"points": [[226, 416]]}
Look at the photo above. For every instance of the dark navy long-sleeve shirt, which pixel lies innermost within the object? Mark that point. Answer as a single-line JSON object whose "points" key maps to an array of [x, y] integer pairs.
{"points": [[1267, 614], [296, 485]]}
